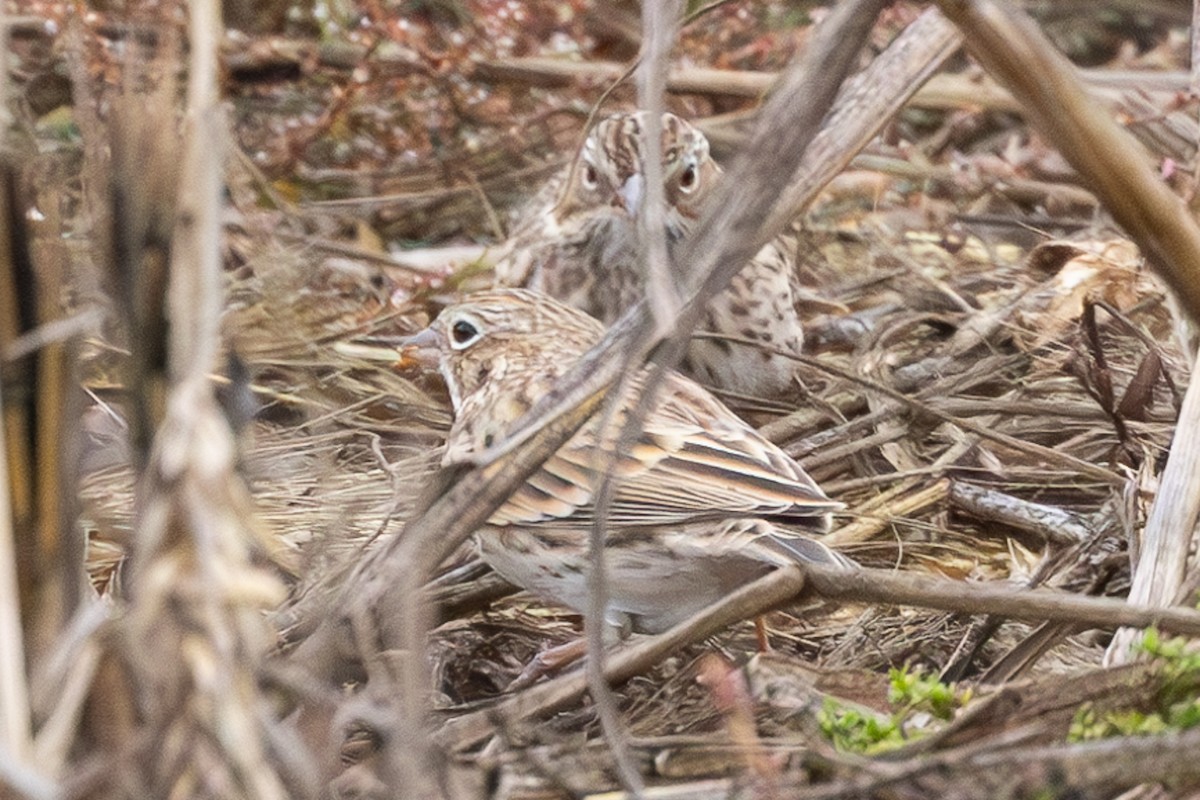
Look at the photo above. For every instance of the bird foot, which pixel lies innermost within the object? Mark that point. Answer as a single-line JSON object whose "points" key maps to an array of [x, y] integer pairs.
{"points": [[547, 662]]}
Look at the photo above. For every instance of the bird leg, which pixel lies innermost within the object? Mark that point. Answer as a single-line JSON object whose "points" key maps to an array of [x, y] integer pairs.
{"points": [[549, 661], [760, 632]]}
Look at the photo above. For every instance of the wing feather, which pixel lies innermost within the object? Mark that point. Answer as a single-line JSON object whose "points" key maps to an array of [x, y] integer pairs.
{"points": [[694, 460]]}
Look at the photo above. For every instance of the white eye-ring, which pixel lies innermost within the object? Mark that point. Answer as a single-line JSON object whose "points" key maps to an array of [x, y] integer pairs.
{"points": [[589, 178], [689, 179], [464, 332]]}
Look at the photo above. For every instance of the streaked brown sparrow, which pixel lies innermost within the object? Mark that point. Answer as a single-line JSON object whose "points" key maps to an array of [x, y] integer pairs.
{"points": [[578, 240], [703, 503]]}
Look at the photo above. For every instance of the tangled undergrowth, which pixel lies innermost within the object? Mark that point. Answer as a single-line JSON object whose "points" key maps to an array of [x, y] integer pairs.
{"points": [[992, 381]]}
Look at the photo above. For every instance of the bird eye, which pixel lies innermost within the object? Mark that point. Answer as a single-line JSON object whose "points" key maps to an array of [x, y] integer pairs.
{"points": [[688, 179], [463, 333], [590, 178]]}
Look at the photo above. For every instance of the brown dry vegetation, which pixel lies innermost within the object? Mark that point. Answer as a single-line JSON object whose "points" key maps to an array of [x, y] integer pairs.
{"points": [[217, 512]]}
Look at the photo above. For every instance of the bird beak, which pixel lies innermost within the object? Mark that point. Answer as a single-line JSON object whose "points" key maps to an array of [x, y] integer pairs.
{"points": [[420, 349], [631, 194]]}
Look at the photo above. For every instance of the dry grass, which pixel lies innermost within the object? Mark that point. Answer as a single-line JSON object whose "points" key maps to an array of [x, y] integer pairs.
{"points": [[992, 407]]}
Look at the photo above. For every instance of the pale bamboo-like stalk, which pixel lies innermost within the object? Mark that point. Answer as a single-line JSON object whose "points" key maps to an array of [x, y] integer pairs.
{"points": [[1171, 527], [195, 284], [194, 633], [14, 689]]}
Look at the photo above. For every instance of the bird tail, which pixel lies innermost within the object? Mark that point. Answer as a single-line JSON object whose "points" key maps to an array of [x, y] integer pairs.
{"points": [[807, 550]]}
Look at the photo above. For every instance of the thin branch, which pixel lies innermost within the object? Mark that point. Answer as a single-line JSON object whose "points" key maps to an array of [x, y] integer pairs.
{"points": [[874, 586], [659, 23], [931, 409], [867, 102], [633, 659], [1051, 523], [941, 92]]}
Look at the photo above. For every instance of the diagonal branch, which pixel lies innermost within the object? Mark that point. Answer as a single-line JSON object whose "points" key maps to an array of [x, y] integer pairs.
{"points": [[876, 586]]}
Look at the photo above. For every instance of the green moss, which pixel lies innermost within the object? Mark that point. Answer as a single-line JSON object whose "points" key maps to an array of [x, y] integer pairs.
{"points": [[1176, 707], [918, 702]]}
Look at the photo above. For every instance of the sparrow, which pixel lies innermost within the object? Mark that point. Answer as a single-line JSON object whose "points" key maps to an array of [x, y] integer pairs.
{"points": [[703, 504]]}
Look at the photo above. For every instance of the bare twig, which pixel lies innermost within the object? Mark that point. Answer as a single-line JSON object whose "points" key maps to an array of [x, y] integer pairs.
{"points": [[896, 503], [1053, 524], [1048, 454], [1103, 768], [882, 587], [659, 21], [927, 591], [866, 103], [624, 663], [941, 92]]}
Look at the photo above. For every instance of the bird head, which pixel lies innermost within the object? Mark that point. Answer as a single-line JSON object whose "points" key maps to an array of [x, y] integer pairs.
{"points": [[609, 173]]}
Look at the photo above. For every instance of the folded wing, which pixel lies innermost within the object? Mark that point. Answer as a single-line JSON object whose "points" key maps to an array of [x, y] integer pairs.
{"points": [[694, 460]]}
